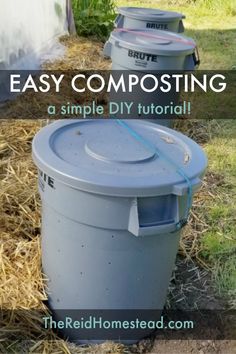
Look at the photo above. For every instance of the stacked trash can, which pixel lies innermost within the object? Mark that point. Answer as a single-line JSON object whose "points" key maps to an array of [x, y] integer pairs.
{"points": [[138, 45], [115, 196], [145, 18]]}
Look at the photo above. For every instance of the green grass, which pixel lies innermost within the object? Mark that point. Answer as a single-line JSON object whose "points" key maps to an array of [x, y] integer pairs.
{"points": [[212, 23], [219, 250], [228, 7], [219, 244]]}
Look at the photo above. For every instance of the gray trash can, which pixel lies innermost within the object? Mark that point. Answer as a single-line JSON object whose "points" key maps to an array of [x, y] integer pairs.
{"points": [[147, 51], [146, 18], [113, 205]]}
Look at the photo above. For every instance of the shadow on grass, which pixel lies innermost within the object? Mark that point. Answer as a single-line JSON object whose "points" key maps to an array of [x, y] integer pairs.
{"points": [[217, 48]]}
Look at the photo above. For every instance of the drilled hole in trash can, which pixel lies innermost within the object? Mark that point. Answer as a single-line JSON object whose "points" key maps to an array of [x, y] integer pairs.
{"points": [[82, 246], [58, 300], [81, 273], [109, 262], [58, 251], [112, 236]]}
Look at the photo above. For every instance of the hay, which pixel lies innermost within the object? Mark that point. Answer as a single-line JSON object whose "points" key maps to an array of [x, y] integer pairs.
{"points": [[19, 202], [190, 243], [20, 277], [200, 130], [81, 54]]}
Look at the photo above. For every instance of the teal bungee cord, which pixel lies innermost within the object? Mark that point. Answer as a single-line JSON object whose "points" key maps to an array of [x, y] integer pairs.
{"points": [[178, 169]]}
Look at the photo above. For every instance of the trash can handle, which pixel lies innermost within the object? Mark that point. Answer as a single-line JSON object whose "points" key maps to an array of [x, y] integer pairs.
{"points": [[181, 26], [196, 57], [119, 21], [133, 221], [107, 49], [163, 227]]}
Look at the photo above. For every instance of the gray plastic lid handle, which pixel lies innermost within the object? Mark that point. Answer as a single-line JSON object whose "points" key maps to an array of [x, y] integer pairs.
{"points": [[107, 49], [161, 227], [181, 27], [196, 57], [119, 21], [192, 61]]}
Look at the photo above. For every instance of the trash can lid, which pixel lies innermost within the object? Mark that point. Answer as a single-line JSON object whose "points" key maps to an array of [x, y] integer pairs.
{"points": [[147, 14], [104, 157], [152, 42]]}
